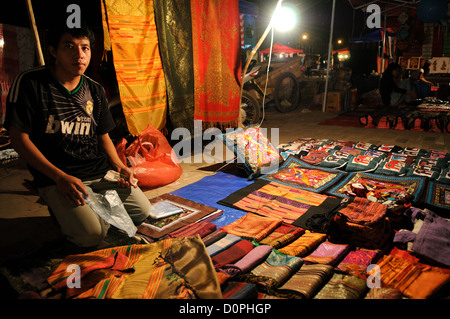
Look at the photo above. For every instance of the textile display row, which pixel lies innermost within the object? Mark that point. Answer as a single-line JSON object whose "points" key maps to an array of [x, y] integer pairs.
{"points": [[178, 57], [296, 237]]}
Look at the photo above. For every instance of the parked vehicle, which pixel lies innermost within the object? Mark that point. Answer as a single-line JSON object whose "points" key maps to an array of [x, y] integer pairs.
{"points": [[282, 88]]}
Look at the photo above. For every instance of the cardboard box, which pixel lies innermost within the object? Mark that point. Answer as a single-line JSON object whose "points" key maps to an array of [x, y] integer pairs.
{"points": [[334, 101]]}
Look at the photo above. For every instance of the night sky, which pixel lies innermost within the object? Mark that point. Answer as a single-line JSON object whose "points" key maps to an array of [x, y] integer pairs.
{"points": [[315, 18]]}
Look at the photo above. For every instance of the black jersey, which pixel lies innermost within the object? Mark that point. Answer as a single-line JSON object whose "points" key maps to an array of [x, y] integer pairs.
{"points": [[63, 125]]}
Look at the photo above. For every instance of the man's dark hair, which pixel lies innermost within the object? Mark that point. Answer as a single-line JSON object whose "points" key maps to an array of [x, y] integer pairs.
{"points": [[59, 28]]}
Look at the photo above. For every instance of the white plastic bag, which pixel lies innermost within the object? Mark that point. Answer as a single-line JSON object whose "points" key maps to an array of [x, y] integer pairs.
{"points": [[110, 207]]}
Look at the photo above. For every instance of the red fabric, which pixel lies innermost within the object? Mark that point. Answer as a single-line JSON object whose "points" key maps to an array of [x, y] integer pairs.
{"points": [[232, 254], [217, 62]]}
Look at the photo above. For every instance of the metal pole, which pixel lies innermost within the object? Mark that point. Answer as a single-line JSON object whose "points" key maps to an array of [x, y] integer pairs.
{"points": [[330, 44], [266, 32]]}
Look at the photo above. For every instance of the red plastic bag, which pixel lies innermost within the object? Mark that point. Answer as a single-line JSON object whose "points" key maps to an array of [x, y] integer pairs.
{"points": [[151, 158]]}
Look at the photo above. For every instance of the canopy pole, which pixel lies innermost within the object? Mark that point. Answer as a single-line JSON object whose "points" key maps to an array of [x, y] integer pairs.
{"points": [[384, 44], [35, 32], [330, 44]]}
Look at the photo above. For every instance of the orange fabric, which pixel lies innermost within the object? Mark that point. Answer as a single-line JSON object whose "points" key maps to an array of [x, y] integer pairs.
{"points": [[130, 31], [217, 63]]}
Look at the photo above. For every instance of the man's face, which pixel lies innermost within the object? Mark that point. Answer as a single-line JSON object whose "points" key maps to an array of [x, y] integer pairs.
{"points": [[72, 55]]}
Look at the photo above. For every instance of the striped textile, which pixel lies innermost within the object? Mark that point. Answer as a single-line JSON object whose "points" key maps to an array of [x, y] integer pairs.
{"points": [[327, 253], [282, 235], [130, 32], [232, 253], [304, 244], [252, 226], [364, 212], [413, 279], [342, 286], [273, 272], [274, 200], [222, 244], [306, 281], [142, 272]]}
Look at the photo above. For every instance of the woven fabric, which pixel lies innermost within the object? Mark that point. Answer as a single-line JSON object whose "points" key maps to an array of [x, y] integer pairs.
{"points": [[232, 253], [413, 279], [342, 286], [282, 235], [357, 261], [252, 226], [383, 187], [298, 174], [132, 37], [273, 272], [217, 67], [327, 253], [274, 200], [438, 196], [173, 22], [304, 244], [171, 268], [306, 281]]}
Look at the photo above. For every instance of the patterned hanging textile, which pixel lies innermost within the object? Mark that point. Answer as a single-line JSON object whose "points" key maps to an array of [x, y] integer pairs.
{"points": [[217, 65], [173, 22], [130, 32]]}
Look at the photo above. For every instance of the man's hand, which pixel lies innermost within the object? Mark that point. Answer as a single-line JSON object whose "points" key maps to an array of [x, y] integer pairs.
{"points": [[72, 188], [128, 180]]}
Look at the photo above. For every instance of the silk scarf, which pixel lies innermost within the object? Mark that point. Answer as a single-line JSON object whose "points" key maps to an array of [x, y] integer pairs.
{"points": [[171, 268], [130, 32], [217, 66], [174, 28]]}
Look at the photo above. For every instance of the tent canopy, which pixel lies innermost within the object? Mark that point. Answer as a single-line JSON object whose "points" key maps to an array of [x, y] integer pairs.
{"points": [[361, 4], [279, 48]]}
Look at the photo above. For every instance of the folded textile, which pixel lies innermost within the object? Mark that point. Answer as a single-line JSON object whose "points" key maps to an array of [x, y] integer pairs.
{"points": [[342, 286], [282, 235], [413, 279], [232, 254], [304, 244], [327, 253], [306, 281], [252, 226], [274, 200], [433, 239], [273, 272], [362, 223], [240, 290], [202, 229], [222, 244], [214, 237], [383, 293], [357, 261], [319, 218], [255, 257], [170, 268]]}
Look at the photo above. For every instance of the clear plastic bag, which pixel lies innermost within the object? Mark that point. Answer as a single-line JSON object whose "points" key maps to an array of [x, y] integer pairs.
{"points": [[110, 207]]}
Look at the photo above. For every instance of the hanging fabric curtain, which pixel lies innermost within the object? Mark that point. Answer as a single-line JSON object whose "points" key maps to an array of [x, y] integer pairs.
{"points": [[130, 32], [217, 66], [173, 22]]}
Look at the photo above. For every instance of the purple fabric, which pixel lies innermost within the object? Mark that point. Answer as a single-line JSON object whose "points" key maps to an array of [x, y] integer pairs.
{"points": [[256, 256], [433, 239], [404, 236]]}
